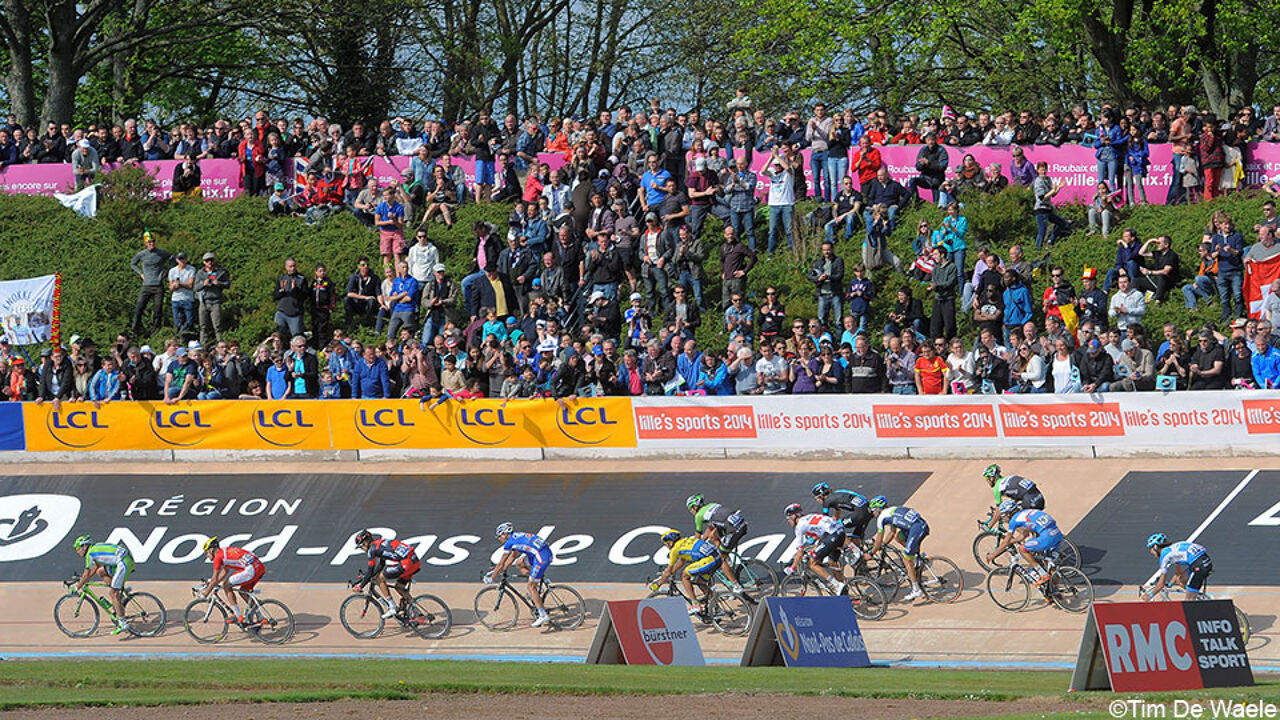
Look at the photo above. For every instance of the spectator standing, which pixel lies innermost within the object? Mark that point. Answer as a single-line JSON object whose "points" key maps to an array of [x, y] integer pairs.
{"points": [[827, 275], [861, 292], [403, 301], [85, 164], [182, 298], [152, 265], [816, 134], [290, 293], [1208, 369], [1228, 246], [1017, 303], [866, 163], [900, 364], [863, 368], [930, 371], [1021, 170], [931, 163], [782, 199], [740, 190], [736, 260], [1182, 141], [388, 217], [943, 285], [324, 298], [439, 297], [1045, 190], [361, 301], [56, 377], [302, 369]]}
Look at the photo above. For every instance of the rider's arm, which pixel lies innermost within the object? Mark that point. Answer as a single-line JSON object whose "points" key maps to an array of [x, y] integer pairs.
{"points": [[375, 566], [504, 563], [84, 577], [218, 576]]}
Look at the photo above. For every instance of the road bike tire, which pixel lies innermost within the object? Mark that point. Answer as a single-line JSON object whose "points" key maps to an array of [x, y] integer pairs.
{"points": [[757, 579], [271, 622], [145, 614], [986, 542], [565, 606], [496, 609], [800, 586], [76, 616], [867, 598], [429, 617], [941, 579], [890, 575], [201, 629], [730, 613], [1008, 589], [1243, 621], [1070, 589], [361, 615], [1066, 554]]}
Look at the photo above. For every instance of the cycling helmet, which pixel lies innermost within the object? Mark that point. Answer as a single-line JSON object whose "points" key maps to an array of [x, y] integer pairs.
{"points": [[821, 489], [793, 509], [695, 501], [1008, 507], [505, 528], [363, 537], [670, 536], [877, 502], [211, 543], [1157, 540], [83, 541], [992, 472]]}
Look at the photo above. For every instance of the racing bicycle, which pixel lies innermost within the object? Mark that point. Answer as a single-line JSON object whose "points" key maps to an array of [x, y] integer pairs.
{"points": [[1010, 585], [497, 608], [78, 614], [1241, 619], [207, 618], [426, 616], [865, 594], [940, 579], [757, 579], [727, 611], [991, 531]]}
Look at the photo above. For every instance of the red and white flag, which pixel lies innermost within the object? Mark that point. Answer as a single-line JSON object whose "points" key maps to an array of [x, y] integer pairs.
{"points": [[1258, 277]]}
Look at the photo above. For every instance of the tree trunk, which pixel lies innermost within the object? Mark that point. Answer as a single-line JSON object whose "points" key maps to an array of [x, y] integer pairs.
{"points": [[16, 29]]}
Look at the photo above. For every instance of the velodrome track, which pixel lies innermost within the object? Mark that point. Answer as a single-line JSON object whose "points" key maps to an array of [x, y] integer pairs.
{"points": [[1107, 506]]}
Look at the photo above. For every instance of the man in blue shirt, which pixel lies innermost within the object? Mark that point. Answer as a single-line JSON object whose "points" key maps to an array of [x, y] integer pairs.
{"points": [[369, 377], [1228, 247], [653, 183], [403, 300], [1266, 362]]}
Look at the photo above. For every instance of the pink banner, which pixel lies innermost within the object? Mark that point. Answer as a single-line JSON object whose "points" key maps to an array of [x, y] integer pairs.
{"points": [[220, 179]]}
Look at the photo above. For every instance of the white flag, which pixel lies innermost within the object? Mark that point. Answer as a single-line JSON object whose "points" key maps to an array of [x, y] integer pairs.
{"points": [[26, 310], [85, 202]]}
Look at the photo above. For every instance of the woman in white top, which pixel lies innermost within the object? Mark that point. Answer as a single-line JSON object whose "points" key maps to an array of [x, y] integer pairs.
{"points": [[960, 375], [1066, 377], [1027, 371]]}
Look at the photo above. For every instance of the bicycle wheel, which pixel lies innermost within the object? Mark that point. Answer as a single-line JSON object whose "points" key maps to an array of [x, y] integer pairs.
{"points": [[730, 613], [271, 622], [205, 620], [888, 573], [1066, 554], [145, 614], [429, 617], [77, 616], [1070, 589], [985, 543], [565, 606], [1008, 588], [799, 586], [940, 579], [867, 598], [361, 615], [1243, 622], [496, 609], [757, 579]]}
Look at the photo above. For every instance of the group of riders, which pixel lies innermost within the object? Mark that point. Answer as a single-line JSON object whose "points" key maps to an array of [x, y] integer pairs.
{"points": [[840, 520]]}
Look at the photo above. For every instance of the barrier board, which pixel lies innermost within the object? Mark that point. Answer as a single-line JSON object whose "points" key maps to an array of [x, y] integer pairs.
{"points": [[805, 632], [656, 631]]}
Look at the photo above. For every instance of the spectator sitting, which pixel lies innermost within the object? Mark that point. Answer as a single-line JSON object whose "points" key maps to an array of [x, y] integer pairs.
{"points": [[1127, 305], [1136, 368]]}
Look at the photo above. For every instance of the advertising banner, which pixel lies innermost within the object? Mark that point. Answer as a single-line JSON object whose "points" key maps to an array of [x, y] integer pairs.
{"points": [[26, 309], [805, 632], [1162, 646], [605, 526], [219, 179], [656, 631]]}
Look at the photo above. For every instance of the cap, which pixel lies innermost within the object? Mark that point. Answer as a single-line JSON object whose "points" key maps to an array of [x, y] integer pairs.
{"points": [[278, 186], [597, 349], [83, 143], [208, 256], [547, 345], [1239, 323], [651, 216], [75, 340], [407, 172], [438, 268], [47, 352], [596, 296], [182, 255], [1095, 347], [540, 323], [700, 163], [146, 349], [636, 296], [451, 342], [193, 345], [19, 360], [511, 321], [1089, 274], [603, 173], [182, 352], [1128, 345]]}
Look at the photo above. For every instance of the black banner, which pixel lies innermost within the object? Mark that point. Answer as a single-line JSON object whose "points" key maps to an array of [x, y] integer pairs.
{"points": [[602, 527]]}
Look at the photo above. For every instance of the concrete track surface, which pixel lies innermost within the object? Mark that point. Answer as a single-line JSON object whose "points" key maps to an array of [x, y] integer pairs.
{"points": [[970, 632]]}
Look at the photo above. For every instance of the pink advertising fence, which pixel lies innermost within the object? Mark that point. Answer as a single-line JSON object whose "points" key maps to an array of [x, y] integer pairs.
{"points": [[220, 179]]}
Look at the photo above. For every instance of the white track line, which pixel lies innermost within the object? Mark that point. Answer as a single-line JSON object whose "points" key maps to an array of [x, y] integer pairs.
{"points": [[1214, 515]]}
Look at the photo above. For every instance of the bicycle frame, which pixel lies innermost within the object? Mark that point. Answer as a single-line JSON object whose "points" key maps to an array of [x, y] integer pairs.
{"points": [[505, 586]]}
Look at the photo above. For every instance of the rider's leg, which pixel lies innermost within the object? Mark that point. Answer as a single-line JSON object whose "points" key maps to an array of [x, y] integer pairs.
{"points": [[686, 585], [402, 589], [229, 594], [117, 602]]}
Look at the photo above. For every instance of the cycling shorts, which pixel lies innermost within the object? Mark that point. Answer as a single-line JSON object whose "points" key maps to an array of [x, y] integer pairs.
{"points": [[1044, 542], [730, 540], [124, 566], [1198, 572], [703, 566], [247, 577], [402, 570], [914, 536], [828, 546], [1032, 501], [538, 564]]}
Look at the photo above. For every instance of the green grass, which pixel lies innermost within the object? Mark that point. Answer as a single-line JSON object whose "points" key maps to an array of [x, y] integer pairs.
{"points": [[164, 682]]}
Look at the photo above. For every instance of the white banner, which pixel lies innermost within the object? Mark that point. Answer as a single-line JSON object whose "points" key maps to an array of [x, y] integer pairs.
{"points": [[84, 203], [26, 310], [1134, 420]]}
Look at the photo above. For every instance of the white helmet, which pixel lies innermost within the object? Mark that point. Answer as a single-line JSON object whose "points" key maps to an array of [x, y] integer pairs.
{"points": [[505, 528]]}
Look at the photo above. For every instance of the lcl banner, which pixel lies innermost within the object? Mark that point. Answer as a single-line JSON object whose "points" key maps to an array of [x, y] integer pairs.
{"points": [[328, 424]]}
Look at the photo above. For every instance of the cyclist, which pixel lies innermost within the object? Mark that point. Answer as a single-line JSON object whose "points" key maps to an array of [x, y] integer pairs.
{"points": [[1013, 487], [721, 527], [826, 535], [691, 557], [850, 508], [909, 528], [113, 564], [234, 569], [389, 559], [1034, 532], [1184, 564], [531, 556]]}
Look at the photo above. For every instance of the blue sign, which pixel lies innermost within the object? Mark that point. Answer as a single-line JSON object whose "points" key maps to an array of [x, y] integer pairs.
{"points": [[817, 632], [12, 435]]}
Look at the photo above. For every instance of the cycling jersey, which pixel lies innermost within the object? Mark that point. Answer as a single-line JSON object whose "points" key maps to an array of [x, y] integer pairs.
{"points": [[1020, 489], [700, 557], [1046, 535], [730, 524], [115, 557], [246, 568], [535, 551], [826, 533], [909, 524], [855, 513], [1194, 558], [396, 560]]}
